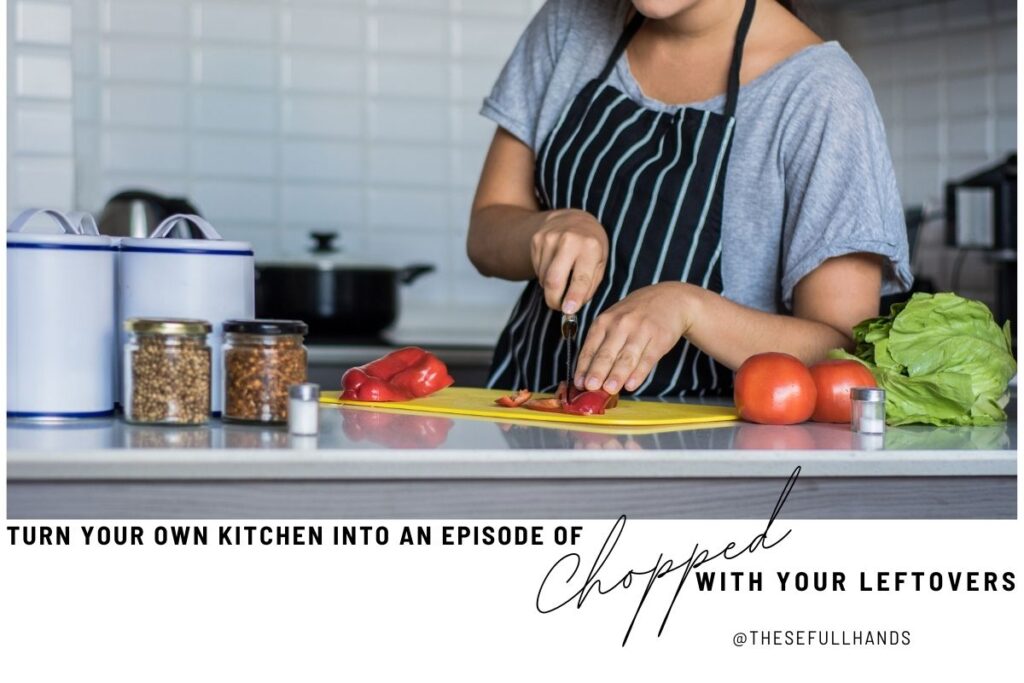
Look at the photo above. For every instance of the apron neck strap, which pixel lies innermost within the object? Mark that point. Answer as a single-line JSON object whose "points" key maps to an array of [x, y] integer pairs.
{"points": [[627, 35], [733, 87], [733, 90]]}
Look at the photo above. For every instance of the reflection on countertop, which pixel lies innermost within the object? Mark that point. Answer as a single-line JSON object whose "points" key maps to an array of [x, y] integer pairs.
{"points": [[346, 428]]}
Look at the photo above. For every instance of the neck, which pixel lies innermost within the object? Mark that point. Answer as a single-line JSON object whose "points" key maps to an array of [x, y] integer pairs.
{"points": [[705, 19]]}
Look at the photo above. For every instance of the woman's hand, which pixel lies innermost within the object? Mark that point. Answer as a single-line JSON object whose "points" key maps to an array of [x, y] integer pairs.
{"points": [[569, 250], [626, 341]]}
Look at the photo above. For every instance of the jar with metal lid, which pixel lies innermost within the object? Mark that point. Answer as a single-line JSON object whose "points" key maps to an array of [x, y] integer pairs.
{"points": [[867, 410], [167, 365], [262, 359]]}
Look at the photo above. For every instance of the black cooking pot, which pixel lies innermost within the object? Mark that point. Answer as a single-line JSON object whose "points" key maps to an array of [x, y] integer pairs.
{"points": [[337, 299]]}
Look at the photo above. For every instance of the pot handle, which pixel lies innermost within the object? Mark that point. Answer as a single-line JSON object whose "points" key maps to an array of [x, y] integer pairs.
{"points": [[411, 273], [204, 226], [69, 226]]}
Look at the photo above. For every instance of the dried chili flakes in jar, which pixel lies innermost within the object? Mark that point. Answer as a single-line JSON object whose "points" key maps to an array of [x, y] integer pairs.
{"points": [[262, 358]]}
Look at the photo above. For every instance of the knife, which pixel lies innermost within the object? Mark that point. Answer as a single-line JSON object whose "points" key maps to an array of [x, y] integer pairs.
{"points": [[570, 327]]}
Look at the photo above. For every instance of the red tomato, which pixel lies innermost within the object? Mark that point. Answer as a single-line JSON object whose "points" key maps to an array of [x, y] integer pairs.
{"points": [[774, 389], [833, 379]]}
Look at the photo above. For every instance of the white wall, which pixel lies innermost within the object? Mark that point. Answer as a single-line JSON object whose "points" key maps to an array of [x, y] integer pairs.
{"points": [[280, 116], [945, 77], [40, 149]]}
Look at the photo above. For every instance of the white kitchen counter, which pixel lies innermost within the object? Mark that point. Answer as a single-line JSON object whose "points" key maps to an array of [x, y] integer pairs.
{"points": [[948, 471]]}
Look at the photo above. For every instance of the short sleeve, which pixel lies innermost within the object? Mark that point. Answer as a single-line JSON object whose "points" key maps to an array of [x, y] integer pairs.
{"points": [[841, 194], [515, 100]]}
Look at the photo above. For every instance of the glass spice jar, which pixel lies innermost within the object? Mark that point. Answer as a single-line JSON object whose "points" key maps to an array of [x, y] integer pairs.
{"points": [[166, 371], [262, 358]]}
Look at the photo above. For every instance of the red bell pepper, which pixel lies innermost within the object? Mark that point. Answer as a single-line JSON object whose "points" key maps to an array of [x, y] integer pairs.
{"points": [[575, 402], [401, 375], [515, 400]]}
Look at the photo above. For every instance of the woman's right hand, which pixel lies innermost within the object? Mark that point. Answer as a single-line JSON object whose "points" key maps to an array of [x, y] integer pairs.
{"points": [[569, 254]]}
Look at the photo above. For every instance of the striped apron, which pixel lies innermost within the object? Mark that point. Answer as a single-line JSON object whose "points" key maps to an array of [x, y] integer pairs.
{"points": [[655, 181]]}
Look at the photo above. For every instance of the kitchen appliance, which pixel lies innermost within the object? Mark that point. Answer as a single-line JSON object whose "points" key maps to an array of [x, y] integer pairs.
{"points": [[471, 402], [206, 279], [136, 213], [60, 319], [981, 214], [339, 298]]}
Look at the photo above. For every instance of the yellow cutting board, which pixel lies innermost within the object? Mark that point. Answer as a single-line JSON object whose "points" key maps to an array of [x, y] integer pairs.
{"points": [[480, 403]]}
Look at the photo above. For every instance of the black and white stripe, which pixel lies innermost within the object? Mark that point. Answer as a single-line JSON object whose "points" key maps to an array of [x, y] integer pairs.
{"points": [[655, 181]]}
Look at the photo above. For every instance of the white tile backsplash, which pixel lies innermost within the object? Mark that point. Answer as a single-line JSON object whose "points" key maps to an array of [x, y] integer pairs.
{"points": [[248, 22], [144, 61], [142, 105], [152, 151], [43, 76], [43, 23], [43, 128], [236, 67], [235, 157], [281, 116], [403, 33], [954, 72], [144, 17], [322, 116], [324, 73], [234, 111], [322, 160], [336, 26]]}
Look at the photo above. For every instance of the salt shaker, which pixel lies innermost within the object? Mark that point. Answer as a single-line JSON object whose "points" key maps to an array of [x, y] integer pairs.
{"points": [[304, 409], [867, 415]]}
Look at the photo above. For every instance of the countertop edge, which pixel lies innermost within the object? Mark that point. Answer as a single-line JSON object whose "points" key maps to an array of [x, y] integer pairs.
{"points": [[416, 464]]}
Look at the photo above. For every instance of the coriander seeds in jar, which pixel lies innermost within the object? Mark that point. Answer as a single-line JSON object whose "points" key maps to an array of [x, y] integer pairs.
{"points": [[167, 368], [262, 359]]}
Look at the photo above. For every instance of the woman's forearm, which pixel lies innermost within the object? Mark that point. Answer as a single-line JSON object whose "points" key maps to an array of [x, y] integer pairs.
{"points": [[731, 332], [499, 240]]}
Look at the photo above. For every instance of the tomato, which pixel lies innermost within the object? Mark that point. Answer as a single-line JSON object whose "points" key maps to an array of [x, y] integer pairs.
{"points": [[775, 389], [833, 379]]}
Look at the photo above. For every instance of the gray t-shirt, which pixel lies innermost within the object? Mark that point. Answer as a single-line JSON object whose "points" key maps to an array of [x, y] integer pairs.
{"points": [[809, 178]]}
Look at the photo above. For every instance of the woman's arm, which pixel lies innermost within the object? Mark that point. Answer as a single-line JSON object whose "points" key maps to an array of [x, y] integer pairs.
{"points": [[511, 238], [630, 337]]}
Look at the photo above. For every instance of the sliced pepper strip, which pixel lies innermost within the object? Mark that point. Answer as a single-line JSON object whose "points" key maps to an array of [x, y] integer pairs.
{"points": [[575, 402], [515, 400], [401, 375]]}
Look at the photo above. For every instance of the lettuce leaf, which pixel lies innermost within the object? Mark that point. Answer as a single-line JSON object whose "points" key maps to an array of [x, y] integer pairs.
{"points": [[941, 358]]}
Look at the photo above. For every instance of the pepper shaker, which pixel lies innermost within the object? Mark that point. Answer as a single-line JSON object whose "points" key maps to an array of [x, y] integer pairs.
{"points": [[303, 409], [867, 415]]}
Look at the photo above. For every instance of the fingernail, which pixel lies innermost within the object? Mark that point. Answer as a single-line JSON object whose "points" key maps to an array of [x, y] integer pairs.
{"points": [[578, 381], [570, 307], [611, 386], [593, 384], [631, 385]]}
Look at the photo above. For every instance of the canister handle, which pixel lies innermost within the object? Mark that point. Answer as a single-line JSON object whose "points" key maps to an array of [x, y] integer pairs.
{"points": [[85, 222], [204, 226], [69, 226]]}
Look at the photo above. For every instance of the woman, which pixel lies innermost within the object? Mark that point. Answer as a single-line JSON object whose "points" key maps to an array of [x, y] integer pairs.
{"points": [[605, 187]]}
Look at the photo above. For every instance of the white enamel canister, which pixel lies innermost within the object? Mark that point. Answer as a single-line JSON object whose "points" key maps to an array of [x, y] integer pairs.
{"points": [[207, 279], [60, 319]]}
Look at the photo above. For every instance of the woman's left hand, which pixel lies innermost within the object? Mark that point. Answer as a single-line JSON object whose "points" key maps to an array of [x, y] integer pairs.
{"points": [[626, 341]]}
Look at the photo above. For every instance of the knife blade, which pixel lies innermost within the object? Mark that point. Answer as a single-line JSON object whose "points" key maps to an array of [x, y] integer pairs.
{"points": [[570, 327]]}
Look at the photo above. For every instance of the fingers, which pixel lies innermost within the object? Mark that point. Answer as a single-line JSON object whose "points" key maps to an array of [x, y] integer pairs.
{"points": [[576, 252], [556, 277], [619, 353], [587, 272]]}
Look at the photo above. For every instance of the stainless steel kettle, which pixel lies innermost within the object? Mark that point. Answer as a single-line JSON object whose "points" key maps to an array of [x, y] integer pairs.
{"points": [[135, 213]]}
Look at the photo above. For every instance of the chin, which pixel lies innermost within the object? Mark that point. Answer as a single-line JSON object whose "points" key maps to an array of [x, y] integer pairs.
{"points": [[662, 9]]}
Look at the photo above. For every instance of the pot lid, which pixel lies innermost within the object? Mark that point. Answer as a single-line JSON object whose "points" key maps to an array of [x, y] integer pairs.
{"points": [[325, 254]]}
